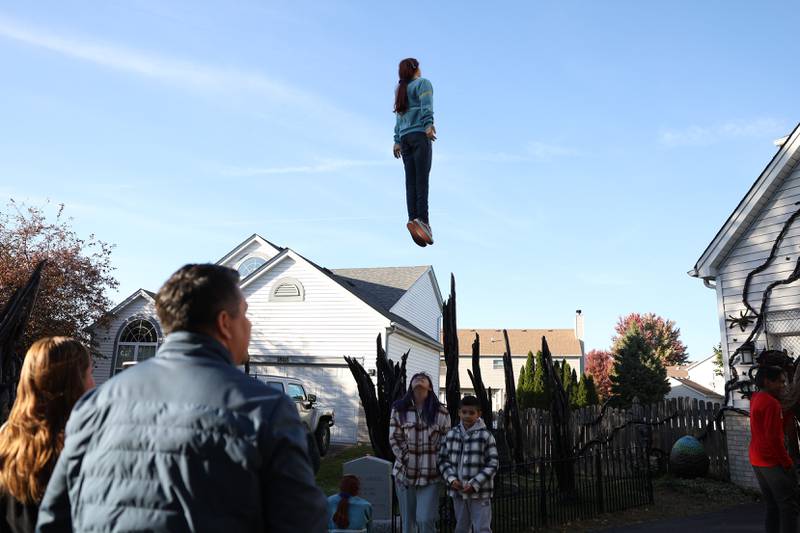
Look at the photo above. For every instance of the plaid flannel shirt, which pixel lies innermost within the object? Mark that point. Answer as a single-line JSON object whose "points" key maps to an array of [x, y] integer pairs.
{"points": [[469, 456], [416, 445]]}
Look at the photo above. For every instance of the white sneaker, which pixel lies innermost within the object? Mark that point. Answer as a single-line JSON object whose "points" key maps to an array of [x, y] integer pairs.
{"points": [[417, 233], [427, 232]]}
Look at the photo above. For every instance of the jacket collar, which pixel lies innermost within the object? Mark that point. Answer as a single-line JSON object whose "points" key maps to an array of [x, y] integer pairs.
{"points": [[187, 343], [479, 424]]}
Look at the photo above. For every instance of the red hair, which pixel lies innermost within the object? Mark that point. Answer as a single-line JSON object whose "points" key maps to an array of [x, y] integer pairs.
{"points": [[408, 67], [349, 486]]}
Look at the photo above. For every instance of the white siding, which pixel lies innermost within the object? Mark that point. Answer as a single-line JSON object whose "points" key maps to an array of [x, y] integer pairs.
{"points": [[703, 374], [679, 390], [420, 306], [752, 250], [331, 322], [106, 337], [422, 358]]}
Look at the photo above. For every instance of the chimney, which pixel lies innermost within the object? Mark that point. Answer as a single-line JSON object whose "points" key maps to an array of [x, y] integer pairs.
{"points": [[579, 325]]}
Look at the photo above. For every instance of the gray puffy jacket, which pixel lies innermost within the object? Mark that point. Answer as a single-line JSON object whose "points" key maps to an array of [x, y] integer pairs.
{"points": [[184, 442]]}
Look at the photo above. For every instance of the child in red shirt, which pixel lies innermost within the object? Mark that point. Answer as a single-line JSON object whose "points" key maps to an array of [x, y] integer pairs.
{"points": [[771, 462]]}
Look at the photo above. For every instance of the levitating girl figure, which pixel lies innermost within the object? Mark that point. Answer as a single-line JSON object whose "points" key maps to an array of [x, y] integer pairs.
{"points": [[413, 134]]}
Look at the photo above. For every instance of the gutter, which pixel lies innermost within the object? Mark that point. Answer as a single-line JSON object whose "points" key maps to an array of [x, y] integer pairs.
{"points": [[394, 326], [709, 281]]}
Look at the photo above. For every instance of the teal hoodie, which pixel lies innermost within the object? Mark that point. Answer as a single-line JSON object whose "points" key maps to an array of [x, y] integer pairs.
{"points": [[420, 109], [359, 514]]}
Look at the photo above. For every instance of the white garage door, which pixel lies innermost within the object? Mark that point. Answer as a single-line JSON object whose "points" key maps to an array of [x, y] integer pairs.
{"points": [[334, 387]]}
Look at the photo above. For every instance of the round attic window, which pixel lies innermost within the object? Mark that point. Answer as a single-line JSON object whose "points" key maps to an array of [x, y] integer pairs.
{"points": [[250, 265]]}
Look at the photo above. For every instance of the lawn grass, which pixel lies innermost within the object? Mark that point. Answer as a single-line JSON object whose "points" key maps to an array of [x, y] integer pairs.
{"points": [[330, 469]]}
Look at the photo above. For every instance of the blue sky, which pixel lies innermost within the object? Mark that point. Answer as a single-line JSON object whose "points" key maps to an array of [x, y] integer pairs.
{"points": [[587, 152]]}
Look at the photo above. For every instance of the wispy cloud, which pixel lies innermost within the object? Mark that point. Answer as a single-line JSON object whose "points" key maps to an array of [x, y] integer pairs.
{"points": [[186, 74], [320, 167], [533, 151], [734, 129], [541, 150]]}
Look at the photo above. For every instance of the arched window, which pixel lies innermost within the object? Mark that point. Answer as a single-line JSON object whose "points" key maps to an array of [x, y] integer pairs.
{"points": [[287, 290], [250, 265], [138, 341]]}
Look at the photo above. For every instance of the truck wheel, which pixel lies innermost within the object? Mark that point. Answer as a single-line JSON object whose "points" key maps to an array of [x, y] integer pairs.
{"points": [[323, 438], [313, 453]]}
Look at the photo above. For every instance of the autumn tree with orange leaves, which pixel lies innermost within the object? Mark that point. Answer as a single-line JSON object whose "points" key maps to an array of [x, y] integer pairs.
{"points": [[77, 275]]}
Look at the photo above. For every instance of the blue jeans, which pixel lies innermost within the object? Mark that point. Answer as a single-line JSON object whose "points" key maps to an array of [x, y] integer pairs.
{"points": [[473, 515], [419, 506], [417, 155]]}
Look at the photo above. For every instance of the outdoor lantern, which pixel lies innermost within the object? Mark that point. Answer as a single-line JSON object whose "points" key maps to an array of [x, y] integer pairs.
{"points": [[746, 352]]}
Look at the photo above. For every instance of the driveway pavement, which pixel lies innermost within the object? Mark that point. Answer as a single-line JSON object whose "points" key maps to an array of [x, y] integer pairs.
{"points": [[749, 517]]}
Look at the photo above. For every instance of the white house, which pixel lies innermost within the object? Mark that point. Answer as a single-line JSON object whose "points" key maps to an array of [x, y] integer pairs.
{"points": [[695, 380], [744, 243], [305, 319], [705, 374], [565, 345]]}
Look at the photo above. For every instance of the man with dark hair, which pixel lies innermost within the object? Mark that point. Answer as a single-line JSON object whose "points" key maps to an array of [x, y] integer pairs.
{"points": [[771, 462], [185, 441]]}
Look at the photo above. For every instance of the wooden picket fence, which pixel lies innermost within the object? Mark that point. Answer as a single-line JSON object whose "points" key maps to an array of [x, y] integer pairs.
{"points": [[661, 423]]}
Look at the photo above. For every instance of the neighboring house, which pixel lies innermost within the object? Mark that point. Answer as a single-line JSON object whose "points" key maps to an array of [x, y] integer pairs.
{"points": [[305, 319], [565, 345], [742, 244], [683, 386], [706, 374]]}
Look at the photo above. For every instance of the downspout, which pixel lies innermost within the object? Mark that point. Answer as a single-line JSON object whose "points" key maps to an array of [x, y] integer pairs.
{"points": [[710, 283], [389, 331]]}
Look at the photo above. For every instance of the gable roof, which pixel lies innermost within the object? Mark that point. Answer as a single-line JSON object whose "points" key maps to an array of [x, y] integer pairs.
{"points": [[382, 286], [147, 295], [678, 371], [749, 207], [698, 363], [560, 341], [379, 288], [254, 237], [698, 388]]}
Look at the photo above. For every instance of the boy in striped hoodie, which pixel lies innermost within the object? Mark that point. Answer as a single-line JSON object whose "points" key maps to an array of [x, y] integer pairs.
{"points": [[468, 462]]}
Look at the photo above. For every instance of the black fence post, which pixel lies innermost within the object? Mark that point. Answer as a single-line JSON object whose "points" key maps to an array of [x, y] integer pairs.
{"points": [[649, 481], [542, 492], [598, 474]]}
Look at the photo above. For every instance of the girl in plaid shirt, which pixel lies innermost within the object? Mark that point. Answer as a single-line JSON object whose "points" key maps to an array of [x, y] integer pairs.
{"points": [[417, 427], [468, 462]]}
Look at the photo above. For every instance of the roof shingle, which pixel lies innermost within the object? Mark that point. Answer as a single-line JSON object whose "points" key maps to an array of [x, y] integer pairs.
{"points": [[522, 341], [381, 288]]}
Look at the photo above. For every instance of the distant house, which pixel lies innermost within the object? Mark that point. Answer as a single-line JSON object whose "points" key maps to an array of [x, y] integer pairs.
{"points": [[305, 319], [683, 382], [745, 242], [565, 345], [706, 374]]}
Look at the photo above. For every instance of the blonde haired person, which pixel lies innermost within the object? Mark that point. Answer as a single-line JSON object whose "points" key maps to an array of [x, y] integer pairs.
{"points": [[55, 374]]}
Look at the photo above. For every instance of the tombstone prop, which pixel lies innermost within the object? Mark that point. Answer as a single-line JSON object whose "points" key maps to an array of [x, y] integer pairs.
{"points": [[375, 475]]}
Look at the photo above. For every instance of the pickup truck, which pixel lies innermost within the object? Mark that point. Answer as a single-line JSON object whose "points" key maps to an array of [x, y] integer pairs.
{"points": [[316, 418]]}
